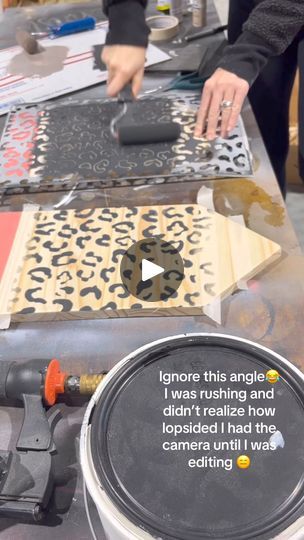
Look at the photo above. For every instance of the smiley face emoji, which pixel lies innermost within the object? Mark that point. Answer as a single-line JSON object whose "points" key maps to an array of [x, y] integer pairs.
{"points": [[243, 462], [272, 376]]}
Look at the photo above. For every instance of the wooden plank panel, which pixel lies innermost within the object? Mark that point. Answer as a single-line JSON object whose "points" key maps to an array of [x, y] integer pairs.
{"points": [[66, 263]]}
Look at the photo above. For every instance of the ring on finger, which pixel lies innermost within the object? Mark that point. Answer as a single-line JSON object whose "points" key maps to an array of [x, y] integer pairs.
{"points": [[226, 104]]}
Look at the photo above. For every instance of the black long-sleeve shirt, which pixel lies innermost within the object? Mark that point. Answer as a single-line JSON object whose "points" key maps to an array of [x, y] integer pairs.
{"points": [[127, 23], [269, 30]]}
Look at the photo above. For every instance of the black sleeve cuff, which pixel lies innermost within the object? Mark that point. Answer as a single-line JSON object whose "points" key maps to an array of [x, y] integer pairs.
{"points": [[127, 24], [247, 56]]}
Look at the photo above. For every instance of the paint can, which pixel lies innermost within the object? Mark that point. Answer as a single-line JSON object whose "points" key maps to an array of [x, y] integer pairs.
{"points": [[144, 492], [199, 13]]}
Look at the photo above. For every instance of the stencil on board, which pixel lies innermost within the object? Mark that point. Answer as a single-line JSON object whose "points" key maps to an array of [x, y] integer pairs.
{"points": [[72, 144]]}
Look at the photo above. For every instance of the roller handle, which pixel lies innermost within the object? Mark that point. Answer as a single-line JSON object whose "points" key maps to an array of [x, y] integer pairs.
{"points": [[126, 94], [5, 366], [73, 27]]}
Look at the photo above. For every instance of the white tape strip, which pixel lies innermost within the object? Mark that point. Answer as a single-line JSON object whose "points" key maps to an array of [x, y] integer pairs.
{"points": [[214, 310], [163, 27], [29, 207], [5, 322]]}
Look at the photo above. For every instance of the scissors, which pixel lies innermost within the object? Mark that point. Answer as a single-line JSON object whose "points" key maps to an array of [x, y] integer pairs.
{"points": [[188, 81]]}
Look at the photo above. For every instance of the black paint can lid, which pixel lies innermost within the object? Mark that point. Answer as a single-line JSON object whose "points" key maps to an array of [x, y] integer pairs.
{"points": [[156, 489]]}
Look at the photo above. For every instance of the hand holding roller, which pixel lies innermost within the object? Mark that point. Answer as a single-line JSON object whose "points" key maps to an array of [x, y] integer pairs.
{"points": [[127, 132]]}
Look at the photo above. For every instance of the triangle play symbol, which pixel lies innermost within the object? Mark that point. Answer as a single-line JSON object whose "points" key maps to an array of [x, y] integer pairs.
{"points": [[149, 270]]}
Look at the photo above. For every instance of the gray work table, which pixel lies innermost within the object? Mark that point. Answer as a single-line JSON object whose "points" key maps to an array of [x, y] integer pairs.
{"points": [[270, 312]]}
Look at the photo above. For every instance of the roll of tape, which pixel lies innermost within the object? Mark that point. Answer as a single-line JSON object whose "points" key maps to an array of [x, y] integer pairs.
{"points": [[163, 27]]}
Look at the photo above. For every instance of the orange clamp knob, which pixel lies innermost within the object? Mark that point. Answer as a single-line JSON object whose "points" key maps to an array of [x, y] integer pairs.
{"points": [[54, 382]]}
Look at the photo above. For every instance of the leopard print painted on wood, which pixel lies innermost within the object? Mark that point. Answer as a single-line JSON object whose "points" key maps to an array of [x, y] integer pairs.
{"points": [[67, 262]]}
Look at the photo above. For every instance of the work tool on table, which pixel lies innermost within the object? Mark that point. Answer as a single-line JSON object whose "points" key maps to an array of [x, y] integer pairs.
{"points": [[184, 81], [28, 42], [187, 81], [68, 28], [31, 45], [125, 129], [195, 80], [207, 32], [26, 479]]}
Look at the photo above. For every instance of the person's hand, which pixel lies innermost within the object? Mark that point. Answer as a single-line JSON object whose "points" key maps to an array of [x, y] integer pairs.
{"points": [[222, 99], [125, 64]]}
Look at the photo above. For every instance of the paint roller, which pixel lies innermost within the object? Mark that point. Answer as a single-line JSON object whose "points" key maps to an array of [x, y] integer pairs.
{"points": [[124, 128], [28, 42]]}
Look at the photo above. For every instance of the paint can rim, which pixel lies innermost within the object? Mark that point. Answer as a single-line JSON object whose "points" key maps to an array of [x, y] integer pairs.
{"points": [[96, 422]]}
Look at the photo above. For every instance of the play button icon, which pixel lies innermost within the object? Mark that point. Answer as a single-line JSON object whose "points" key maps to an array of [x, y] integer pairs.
{"points": [[152, 270], [149, 270]]}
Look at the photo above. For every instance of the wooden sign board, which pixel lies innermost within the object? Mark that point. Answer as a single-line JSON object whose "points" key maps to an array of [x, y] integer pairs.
{"points": [[66, 263]]}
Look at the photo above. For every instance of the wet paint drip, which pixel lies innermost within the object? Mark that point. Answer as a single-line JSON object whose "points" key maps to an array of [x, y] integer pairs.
{"points": [[245, 194], [43, 64]]}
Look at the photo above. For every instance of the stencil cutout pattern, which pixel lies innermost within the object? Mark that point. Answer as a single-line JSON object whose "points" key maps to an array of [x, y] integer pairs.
{"points": [[67, 143]]}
